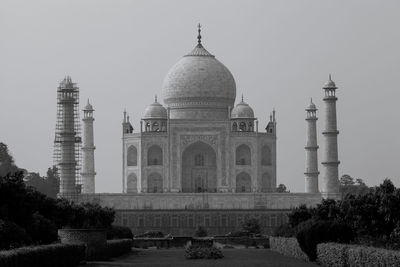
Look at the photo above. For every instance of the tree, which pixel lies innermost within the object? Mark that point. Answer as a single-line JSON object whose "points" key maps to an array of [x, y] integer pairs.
{"points": [[349, 185], [252, 226], [7, 164], [282, 189], [49, 185]]}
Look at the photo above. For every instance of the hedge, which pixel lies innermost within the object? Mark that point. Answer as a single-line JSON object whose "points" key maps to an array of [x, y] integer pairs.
{"points": [[44, 256], [118, 247], [334, 254], [374, 257], [287, 246]]}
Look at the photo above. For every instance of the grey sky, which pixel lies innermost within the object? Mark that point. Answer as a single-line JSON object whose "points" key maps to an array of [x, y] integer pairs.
{"points": [[280, 53]]}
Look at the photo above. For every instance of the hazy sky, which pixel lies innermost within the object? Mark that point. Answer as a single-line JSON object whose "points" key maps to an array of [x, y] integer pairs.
{"points": [[280, 53]]}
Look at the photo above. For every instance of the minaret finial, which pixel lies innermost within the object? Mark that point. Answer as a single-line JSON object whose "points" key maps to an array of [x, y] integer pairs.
{"points": [[199, 35], [242, 98], [155, 99], [311, 100], [330, 77]]}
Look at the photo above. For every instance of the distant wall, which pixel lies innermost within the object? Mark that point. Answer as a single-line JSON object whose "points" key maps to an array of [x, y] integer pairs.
{"points": [[194, 201], [184, 222]]}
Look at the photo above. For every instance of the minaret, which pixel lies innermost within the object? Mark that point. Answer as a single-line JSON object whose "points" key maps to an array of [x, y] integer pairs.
{"points": [[330, 182], [67, 138], [88, 171], [311, 173]]}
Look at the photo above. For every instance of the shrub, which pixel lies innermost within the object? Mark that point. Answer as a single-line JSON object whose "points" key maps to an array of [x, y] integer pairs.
{"points": [[200, 232], [333, 254], [151, 234], [287, 246], [252, 226], [42, 230], [195, 252], [320, 232], [118, 247], [12, 235], [119, 232], [368, 256], [45, 256], [299, 215]]}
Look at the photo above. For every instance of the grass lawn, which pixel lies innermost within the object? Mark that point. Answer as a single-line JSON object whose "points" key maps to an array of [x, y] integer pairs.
{"points": [[176, 257]]}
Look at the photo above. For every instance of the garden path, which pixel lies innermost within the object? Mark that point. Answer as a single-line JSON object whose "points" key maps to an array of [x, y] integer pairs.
{"points": [[176, 257]]}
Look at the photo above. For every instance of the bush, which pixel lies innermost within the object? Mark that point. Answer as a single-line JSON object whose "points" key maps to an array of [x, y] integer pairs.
{"points": [[372, 257], [42, 230], [252, 226], [320, 232], [287, 246], [45, 256], [200, 232], [333, 254], [195, 252], [119, 232], [12, 235], [151, 234], [118, 247]]}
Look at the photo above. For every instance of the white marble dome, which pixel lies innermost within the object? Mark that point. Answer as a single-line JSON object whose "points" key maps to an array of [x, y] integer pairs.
{"points": [[155, 111], [242, 110], [197, 85]]}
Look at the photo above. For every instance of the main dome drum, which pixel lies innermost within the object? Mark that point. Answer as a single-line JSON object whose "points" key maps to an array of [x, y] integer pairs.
{"points": [[198, 86]]}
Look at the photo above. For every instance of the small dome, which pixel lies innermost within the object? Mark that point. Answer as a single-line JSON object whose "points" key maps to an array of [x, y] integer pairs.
{"points": [[155, 111], [242, 110], [88, 106], [311, 106], [330, 84]]}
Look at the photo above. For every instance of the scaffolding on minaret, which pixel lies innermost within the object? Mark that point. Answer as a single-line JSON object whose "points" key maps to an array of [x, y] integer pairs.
{"points": [[67, 141]]}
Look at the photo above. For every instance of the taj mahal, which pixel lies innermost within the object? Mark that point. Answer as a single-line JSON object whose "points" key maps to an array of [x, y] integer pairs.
{"points": [[202, 158]]}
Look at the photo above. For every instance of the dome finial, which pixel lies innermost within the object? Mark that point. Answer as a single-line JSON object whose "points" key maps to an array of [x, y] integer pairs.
{"points": [[155, 99], [199, 35], [311, 101], [330, 77]]}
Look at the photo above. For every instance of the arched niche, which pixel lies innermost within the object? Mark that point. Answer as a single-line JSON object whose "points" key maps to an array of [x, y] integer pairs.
{"points": [[243, 182], [131, 158], [155, 183], [131, 183], [154, 156], [243, 155], [199, 168]]}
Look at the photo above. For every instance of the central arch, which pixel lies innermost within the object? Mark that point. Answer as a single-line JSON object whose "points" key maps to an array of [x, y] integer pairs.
{"points": [[199, 168]]}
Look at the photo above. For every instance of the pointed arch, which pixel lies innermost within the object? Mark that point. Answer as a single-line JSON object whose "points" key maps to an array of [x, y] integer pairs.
{"points": [[131, 158], [155, 183], [243, 182], [131, 183], [154, 156], [243, 155]]}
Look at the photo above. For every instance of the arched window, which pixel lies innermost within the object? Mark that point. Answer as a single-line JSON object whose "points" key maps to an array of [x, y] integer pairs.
{"points": [[266, 156], [266, 183], [147, 128], [234, 127], [243, 155], [155, 127], [154, 156], [131, 183], [199, 160], [155, 183], [243, 182], [251, 128], [242, 126], [131, 158], [163, 127]]}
